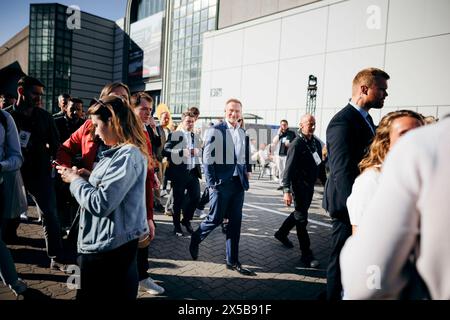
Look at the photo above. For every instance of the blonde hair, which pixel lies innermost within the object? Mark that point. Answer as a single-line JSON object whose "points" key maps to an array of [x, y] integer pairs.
{"points": [[125, 124], [368, 77], [381, 143]]}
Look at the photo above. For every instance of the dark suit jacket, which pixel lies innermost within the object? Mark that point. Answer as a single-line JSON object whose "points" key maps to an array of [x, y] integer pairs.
{"points": [[219, 159], [173, 150], [163, 138], [348, 139], [301, 171]]}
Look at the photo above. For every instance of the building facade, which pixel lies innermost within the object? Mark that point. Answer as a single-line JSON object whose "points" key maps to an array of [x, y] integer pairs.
{"points": [[174, 31], [70, 52], [267, 61]]}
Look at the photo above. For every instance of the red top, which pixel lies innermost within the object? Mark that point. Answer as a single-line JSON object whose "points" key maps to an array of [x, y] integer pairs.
{"points": [[150, 181], [79, 142]]}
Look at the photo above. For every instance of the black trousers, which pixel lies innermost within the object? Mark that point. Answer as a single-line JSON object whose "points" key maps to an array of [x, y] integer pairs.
{"points": [[299, 219], [192, 186], [142, 263], [109, 275], [341, 231], [204, 199]]}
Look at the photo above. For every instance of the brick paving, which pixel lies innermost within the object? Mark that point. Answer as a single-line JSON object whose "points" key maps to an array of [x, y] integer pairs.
{"points": [[280, 274]]}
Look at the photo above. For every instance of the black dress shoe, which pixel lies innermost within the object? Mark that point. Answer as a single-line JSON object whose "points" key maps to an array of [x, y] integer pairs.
{"points": [[193, 248], [284, 240], [239, 268], [224, 227], [188, 227]]}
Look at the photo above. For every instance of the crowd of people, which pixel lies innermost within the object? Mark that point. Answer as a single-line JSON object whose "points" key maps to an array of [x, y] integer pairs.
{"points": [[96, 178]]}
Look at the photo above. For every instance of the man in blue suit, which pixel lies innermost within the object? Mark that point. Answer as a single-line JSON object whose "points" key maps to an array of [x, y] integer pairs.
{"points": [[226, 170]]}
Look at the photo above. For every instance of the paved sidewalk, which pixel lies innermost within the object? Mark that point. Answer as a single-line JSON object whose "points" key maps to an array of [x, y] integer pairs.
{"points": [[280, 274]]}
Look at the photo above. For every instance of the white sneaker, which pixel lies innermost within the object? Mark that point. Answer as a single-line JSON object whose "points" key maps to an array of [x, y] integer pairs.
{"points": [[149, 286], [23, 216], [19, 287], [203, 215]]}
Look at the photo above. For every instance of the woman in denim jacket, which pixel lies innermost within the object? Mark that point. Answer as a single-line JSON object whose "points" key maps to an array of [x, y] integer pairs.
{"points": [[112, 204]]}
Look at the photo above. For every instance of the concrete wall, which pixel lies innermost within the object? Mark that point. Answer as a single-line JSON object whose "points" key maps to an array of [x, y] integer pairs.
{"points": [[16, 49], [237, 11], [266, 62]]}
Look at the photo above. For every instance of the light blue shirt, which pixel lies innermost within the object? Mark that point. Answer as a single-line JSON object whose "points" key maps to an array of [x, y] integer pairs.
{"points": [[364, 114]]}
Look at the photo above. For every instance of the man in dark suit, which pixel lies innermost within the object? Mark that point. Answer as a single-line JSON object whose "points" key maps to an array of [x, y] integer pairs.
{"points": [[303, 165], [162, 131], [183, 150], [226, 171], [349, 135]]}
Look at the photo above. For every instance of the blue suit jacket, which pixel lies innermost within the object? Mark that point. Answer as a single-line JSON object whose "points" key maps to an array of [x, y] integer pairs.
{"points": [[219, 158]]}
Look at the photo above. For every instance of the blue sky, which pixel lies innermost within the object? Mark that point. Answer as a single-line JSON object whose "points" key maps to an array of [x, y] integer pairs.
{"points": [[14, 14]]}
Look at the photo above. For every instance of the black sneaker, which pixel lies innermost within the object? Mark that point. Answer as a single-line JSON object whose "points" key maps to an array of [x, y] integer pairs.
{"points": [[284, 240], [310, 261]]}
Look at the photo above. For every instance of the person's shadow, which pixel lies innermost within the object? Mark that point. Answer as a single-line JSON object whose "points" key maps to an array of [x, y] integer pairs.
{"points": [[33, 295]]}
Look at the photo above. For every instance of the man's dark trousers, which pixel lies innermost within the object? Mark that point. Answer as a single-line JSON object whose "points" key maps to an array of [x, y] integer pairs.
{"points": [[190, 184], [299, 219], [227, 198]]}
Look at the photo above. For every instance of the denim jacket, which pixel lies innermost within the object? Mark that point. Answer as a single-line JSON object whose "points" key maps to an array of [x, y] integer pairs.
{"points": [[112, 202]]}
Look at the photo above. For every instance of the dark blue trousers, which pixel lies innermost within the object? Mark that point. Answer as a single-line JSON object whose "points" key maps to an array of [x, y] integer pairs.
{"points": [[225, 201]]}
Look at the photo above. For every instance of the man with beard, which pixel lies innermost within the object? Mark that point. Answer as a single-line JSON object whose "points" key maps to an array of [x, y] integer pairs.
{"points": [[349, 135]]}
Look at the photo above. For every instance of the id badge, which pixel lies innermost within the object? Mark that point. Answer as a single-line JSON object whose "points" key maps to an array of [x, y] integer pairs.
{"points": [[24, 138], [317, 158]]}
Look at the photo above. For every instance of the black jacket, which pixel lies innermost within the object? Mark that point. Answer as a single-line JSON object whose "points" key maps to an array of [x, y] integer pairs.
{"points": [[348, 139], [301, 169], [173, 150], [43, 142]]}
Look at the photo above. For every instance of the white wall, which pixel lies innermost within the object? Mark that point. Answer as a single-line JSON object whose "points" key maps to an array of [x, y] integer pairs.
{"points": [[266, 62]]}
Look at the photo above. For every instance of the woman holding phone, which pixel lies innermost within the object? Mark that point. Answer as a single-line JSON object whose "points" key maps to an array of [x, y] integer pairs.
{"points": [[112, 203]]}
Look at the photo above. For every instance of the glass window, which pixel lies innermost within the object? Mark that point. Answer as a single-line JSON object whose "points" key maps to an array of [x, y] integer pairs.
{"points": [[197, 5], [212, 11], [204, 15], [197, 17], [203, 26], [190, 9], [188, 30], [212, 2], [181, 33], [188, 41], [195, 51], [205, 3], [176, 3], [176, 24], [189, 20], [212, 24], [182, 11], [196, 28]]}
